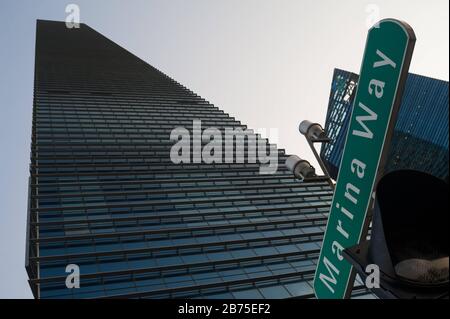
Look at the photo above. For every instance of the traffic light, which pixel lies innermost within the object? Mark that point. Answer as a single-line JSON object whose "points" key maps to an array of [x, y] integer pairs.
{"points": [[409, 237]]}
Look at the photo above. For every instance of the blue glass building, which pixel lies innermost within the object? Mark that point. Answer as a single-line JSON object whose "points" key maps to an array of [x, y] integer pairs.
{"points": [[105, 196], [420, 139]]}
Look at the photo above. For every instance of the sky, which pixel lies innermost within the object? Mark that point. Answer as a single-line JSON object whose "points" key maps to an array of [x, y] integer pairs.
{"points": [[269, 63]]}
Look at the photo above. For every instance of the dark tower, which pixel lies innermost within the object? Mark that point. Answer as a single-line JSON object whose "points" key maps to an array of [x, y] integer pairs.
{"points": [[104, 194]]}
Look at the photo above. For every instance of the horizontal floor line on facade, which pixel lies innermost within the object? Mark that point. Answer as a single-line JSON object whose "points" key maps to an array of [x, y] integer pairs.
{"points": [[181, 169], [122, 107], [304, 235], [150, 143], [75, 109], [156, 131], [88, 107], [167, 122], [127, 126], [123, 127], [52, 109], [208, 122], [40, 157], [166, 163], [175, 190], [255, 140], [191, 201], [168, 93], [78, 86], [216, 189], [66, 118], [188, 201], [316, 218], [261, 279], [66, 108], [304, 208], [178, 180], [94, 179], [163, 146], [191, 179], [68, 155], [96, 259], [46, 187], [152, 136], [173, 267], [293, 221], [199, 266], [307, 209]]}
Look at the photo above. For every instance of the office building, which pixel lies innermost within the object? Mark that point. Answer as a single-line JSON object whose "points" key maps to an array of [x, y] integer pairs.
{"points": [[420, 139], [105, 196]]}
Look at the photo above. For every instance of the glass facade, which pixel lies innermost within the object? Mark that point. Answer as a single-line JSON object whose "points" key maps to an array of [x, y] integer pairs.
{"points": [[420, 139], [104, 194]]}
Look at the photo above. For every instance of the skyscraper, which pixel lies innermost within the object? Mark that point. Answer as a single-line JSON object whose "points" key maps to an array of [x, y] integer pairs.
{"points": [[420, 140], [105, 196]]}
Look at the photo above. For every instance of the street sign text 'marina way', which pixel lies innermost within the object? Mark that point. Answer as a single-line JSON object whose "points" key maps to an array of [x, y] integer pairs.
{"points": [[383, 74]]}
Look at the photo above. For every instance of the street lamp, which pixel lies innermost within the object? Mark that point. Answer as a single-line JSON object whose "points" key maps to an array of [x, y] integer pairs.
{"points": [[301, 168], [314, 133]]}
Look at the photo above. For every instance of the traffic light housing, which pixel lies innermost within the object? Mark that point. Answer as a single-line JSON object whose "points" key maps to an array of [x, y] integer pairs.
{"points": [[409, 237]]}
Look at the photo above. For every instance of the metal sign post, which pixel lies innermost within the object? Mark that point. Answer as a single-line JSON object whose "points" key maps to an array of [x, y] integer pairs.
{"points": [[382, 79]]}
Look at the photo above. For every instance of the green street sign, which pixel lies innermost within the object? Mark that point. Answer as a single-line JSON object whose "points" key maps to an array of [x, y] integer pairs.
{"points": [[383, 74]]}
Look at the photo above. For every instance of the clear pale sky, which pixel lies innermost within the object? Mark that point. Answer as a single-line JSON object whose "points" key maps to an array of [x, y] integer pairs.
{"points": [[269, 63]]}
